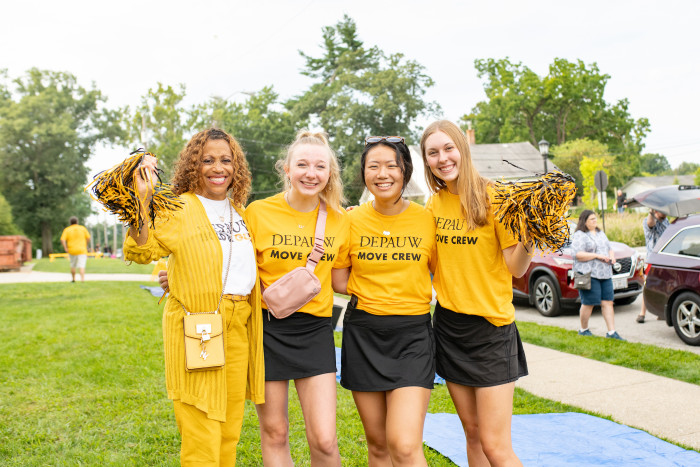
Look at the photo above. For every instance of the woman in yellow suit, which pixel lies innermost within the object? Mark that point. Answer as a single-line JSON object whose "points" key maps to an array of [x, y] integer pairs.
{"points": [[211, 259], [478, 348], [388, 354]]}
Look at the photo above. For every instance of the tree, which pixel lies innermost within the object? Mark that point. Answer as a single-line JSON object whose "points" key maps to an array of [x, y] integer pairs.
{"points": [[569, 157], [161, 125], [589, 166], [7, 224], [360, 91], [566, 104], [49, 126], [687, 168], [263, 127], [654, 164]]}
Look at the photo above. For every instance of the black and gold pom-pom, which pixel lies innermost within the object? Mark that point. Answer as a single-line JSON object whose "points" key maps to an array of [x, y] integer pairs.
{"points": [[115, 189], [539, 207]]}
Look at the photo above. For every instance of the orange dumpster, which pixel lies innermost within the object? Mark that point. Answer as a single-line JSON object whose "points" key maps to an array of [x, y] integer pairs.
{"points": [[14, 251]]}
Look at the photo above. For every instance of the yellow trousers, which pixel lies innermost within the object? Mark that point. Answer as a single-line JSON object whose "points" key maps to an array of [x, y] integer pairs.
{"points": [[207, 442]]}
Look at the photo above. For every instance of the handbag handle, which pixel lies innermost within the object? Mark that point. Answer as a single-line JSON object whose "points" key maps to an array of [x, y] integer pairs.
{"points": [[318, 249]]}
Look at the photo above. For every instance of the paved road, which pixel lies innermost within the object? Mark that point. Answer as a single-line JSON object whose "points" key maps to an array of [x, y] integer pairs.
{"points": [[651, 331]]}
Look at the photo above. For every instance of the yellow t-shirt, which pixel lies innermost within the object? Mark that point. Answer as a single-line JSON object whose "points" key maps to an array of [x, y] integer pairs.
{"points": [[284, 238], [76, 237], [471, 275], [390, 274]]}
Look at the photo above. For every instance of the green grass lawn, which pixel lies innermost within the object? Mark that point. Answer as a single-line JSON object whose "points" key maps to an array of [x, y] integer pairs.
{"points": [[83, 384], [94, 266]]}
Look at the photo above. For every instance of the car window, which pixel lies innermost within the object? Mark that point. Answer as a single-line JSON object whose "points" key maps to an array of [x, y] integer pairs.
{"points": [[686, 242]]}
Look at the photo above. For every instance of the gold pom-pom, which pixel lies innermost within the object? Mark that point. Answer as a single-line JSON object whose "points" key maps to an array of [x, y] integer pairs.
{"points": [[537, 207], [115, 189]]}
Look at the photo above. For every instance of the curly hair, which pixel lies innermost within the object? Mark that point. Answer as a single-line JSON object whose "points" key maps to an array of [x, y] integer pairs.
{"points": [[188, 167], [332, 193]]}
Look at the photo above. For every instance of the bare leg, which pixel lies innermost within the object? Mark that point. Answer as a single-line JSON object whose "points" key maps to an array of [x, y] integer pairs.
{"points": [[372, 409], [82, 274], [464, 398], [274, 425], [608, 314], [486, 416], [585, 315], [72, 273], [406, 409], [317, 396]]}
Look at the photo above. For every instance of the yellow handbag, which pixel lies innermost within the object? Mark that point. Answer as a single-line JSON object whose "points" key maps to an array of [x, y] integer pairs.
{"points": [[204, 332]]}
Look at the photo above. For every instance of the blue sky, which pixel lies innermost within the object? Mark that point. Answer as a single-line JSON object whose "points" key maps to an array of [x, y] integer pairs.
{"points": [[222, 48]]}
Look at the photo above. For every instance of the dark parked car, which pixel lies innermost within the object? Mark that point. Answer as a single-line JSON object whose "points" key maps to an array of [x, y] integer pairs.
{"points": [[672, 290], [548, 282]]}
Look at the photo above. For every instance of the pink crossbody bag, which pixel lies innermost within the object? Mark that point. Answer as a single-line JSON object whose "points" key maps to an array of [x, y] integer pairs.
{"points": [[300, 285]]}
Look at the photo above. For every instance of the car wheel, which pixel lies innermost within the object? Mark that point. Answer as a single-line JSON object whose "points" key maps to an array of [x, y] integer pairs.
{"points": [[546, 296], [685, 315], [625, 301]]}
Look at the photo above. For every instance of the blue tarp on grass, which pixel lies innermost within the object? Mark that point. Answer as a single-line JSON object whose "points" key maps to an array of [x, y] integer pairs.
{"points": [[564, 439]]}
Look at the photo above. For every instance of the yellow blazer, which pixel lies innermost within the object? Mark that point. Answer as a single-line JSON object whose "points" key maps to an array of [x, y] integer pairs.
{"points": [[194, 276]]}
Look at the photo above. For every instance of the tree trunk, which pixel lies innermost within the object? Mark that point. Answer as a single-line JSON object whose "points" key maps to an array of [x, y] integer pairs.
{"points": [[46, 240]]}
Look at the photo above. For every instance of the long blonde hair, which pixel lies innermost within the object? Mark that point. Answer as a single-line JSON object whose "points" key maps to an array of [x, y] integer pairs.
{"points": [[332, 193], [471, 186]]}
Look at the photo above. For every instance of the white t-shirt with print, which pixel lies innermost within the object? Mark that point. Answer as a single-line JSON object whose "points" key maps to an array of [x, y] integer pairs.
{"points": [[241, 275]]}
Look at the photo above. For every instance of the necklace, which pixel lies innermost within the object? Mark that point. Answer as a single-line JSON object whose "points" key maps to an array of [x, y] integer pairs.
{"points": [[387, 229], [301, 223], [222, 216]]}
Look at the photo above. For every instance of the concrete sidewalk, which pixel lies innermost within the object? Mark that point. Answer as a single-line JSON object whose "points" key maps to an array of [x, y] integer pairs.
{"points": [[664, 407], [36, 276]]}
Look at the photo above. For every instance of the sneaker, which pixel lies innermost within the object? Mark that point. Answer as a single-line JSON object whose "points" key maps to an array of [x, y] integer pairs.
{"points": [[587, 332], [615, 335], [640, 318]]}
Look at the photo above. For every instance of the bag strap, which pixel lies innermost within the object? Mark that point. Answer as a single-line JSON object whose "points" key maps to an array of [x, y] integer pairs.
{"points": [[318, 250], [228, 267]]}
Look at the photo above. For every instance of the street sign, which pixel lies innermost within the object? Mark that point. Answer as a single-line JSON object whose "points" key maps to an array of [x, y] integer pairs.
{"points": [[601, 180]]}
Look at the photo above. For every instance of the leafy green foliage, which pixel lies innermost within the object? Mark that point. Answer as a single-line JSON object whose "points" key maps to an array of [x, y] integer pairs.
{"points": [[160, 124], [687, 168], [7, 224], [654, 164], [360, 91], [49, 125], [568, 157], [261, 125], [565, 104]]}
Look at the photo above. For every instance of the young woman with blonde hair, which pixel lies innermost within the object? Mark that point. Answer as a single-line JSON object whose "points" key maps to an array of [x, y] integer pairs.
{"points": [[300, 347], [478, 348]]}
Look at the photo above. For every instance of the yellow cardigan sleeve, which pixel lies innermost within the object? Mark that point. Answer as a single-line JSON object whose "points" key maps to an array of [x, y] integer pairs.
{"points": [[160, 243]]}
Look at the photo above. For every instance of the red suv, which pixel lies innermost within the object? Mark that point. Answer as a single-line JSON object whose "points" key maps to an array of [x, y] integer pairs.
{"points": [[672, 291], [548, 282]]}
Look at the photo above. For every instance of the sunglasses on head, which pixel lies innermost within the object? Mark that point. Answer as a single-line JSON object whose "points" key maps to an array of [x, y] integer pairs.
{"points": [[379, 139]]}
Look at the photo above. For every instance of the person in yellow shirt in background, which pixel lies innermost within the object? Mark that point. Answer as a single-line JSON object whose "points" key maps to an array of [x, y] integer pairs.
{"points": [[74, 240], [388, 354], [211, 266], [478, 347], [300, 347]]}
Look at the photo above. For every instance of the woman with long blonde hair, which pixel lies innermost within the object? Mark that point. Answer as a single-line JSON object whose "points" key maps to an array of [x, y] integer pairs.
{"points": [[478, 348], [300, 347]]}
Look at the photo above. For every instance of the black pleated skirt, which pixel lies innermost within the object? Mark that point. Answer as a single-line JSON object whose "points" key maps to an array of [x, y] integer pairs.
{"points": [[382, 353], [298, 346], [473, 352]]}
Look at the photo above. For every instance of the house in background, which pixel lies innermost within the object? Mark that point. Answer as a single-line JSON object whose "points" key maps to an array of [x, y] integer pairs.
{"points": [[493, 161]]}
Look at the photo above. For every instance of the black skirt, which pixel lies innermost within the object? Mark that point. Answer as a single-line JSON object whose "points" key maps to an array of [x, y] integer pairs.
{"points": [[382, 353], [298, 346], [473, 352]]}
